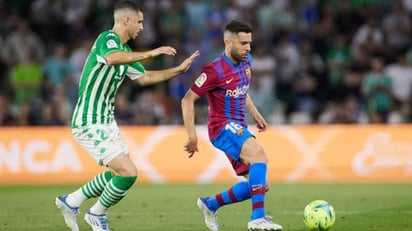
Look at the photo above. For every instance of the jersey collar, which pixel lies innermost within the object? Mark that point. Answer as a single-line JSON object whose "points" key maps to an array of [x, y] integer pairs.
{"points": [[229, 61]]}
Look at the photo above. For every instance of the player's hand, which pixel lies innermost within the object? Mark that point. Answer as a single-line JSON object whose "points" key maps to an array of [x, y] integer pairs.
{"points": [[191, 146], [185, 65], [165, 50], [260, 122]]}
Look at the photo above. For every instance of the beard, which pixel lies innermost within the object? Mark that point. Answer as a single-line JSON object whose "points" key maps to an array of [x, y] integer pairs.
{"points": [[237, 57]]}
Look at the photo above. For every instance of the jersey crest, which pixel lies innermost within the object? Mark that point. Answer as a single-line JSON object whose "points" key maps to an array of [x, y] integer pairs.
{"points": [[248, 72]]}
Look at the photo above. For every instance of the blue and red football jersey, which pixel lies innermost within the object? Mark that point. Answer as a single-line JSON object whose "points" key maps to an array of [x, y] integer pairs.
{"points": [[226, 85]]}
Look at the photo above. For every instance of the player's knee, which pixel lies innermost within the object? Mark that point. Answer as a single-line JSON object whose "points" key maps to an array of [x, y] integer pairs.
{"points": [[259, 156], [127, 170], [131, 171]]}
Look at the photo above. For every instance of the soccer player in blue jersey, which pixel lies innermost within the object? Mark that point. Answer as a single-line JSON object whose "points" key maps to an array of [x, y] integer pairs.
{"points": [[93, 126], [225, 82]]}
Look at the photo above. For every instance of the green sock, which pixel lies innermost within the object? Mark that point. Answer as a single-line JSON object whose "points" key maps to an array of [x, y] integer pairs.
{"points": [[114, 191], [95, 187], [91, 189]]}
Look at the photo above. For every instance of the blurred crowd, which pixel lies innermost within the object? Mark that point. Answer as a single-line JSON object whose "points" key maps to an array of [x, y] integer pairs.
{"points": [[315, 61]]}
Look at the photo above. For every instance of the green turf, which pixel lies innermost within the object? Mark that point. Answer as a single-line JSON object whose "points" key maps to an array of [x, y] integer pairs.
{"points": [[360, 207]]}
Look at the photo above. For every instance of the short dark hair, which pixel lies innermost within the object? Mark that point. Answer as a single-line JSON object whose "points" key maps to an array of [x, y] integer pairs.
{"points": [[127, 4], [236, 26]]}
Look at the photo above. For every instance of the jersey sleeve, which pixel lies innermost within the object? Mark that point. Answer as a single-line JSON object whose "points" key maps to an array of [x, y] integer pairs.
{"points": [[135, 70], [206, 81], [106, 44]]}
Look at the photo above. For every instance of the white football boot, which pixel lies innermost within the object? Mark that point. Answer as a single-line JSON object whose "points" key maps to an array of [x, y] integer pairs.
{"points": [[69, 213], [263, 223], [97, 222], [209, 215]]}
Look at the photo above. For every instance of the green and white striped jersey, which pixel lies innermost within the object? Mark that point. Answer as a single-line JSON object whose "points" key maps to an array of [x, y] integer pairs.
{"points": [[100, 82]]}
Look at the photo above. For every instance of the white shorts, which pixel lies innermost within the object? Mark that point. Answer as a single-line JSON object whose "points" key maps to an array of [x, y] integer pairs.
{"points": [[103, 142]]}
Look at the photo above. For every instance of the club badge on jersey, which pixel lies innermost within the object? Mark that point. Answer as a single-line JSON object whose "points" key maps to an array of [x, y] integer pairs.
{"points": [[248, 73]]}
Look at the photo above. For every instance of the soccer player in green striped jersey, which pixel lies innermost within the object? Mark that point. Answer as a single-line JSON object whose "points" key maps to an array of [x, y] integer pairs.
{"points": [[93, 126]]}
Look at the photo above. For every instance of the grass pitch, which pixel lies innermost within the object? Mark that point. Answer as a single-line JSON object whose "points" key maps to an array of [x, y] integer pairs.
{"points": [[360, 207]]}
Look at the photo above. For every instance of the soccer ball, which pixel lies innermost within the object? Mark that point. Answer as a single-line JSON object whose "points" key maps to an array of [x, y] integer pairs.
{"points": [[319, 215]]}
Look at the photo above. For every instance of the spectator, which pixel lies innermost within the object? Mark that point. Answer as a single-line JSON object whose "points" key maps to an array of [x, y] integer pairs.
{"points": [[287, 58], [26, 78], [6, 116], [172, 22], [266, 14], [333, 113], [377, 89], [77, 58], [338, 58], [352, 110], [261, 89], [400, 74], [21, 40], [58, 67], [123, 114], [397, 27], [369, 37], [196, 11], [215, 20], [312, 67], [50, 115]]}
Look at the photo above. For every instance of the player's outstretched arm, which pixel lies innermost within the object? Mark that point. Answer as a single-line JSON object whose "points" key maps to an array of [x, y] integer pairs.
{"points": [[188, 113], [152, 77], [125, 57], [257, 117]]}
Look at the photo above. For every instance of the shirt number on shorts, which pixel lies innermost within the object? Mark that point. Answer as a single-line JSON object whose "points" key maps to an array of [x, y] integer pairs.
{"points": [[103, 135], [235, 128]]}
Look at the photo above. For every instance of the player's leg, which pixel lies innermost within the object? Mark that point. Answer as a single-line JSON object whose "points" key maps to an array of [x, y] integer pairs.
{"points": [[107, 146], [229, 140], [237, 193], [209, 205], [254, 154], [69, 204], [91, 140], [115, 190], [113, 154]]}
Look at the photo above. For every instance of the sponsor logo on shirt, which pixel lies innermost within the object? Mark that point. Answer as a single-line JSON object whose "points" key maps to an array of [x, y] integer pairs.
{"points": [[201, 79], [111, 44], [238, 91]]}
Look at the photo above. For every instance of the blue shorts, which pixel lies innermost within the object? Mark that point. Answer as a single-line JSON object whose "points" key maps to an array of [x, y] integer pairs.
{"points": [[231, 139]]}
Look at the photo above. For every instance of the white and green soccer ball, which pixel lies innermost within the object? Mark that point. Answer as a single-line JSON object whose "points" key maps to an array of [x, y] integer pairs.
{"points": [[319, 215]]}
